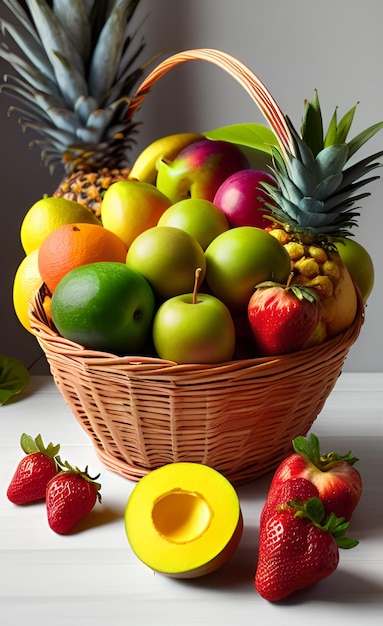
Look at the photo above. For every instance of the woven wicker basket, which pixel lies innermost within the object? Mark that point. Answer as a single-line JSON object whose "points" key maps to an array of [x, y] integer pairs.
{"points": [[238, 417]]}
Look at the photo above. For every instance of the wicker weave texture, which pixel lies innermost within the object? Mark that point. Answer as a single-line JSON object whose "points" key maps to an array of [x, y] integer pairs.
{"points": [[239, 417]]}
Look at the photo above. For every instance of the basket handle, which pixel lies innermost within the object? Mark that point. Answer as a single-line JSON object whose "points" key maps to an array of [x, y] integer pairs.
{"points": [[240, 72]]}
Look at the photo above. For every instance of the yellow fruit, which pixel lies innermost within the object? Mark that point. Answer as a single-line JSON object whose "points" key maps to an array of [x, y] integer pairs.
{"points": [[144, 169], [26, 282], [130, 207], [183, 520], [46, 215], [338, 311], [336, 290]]}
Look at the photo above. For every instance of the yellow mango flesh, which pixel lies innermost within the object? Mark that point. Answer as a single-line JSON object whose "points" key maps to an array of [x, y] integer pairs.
{"points": [[183, 520]]}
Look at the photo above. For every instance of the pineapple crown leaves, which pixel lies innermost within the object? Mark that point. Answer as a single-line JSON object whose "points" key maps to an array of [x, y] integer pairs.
{"points": [[309, 448], [66, 468], [76, 65], [31, 445], [312, 130], [315, 190], [314, 510]]}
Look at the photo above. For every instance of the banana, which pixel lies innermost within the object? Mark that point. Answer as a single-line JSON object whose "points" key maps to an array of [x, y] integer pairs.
{"points": [[144, 168]]}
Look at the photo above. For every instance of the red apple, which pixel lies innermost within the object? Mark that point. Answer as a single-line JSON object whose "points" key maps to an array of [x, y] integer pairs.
{"points": [[199, 169], [282, 318], [242, 199]]}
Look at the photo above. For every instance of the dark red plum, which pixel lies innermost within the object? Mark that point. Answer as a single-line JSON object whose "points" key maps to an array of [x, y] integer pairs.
{"points": [[242, 199]]}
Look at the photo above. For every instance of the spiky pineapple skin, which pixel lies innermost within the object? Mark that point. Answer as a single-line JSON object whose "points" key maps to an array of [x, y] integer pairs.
{"points": [[87, 188], [321, 268]]}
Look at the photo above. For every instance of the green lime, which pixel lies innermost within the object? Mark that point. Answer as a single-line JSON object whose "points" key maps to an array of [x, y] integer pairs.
{"points": [[104, 306]]}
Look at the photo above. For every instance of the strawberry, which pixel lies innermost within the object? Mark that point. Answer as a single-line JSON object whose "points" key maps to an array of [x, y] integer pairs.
{"points": [[34, 471], [298, 547], [339, 484], [282, 317], [296, 488], [70, 496]]}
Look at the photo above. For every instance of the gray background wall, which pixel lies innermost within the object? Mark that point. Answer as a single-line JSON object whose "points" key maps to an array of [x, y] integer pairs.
{"points": [[294, 46]]}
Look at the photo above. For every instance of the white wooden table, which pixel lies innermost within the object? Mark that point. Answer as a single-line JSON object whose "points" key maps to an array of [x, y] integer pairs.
{"points": [[92, 577]]}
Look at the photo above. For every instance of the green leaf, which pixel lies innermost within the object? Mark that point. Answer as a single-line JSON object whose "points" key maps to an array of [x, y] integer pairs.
{"points": [[346, 542], [345, 125], [304, 293], [14, 378], [364, 136], [331, 136], [255, 140], [309, 448], [312, 125], [314, 510], [30, 445], [330, 161], [246, 134]]}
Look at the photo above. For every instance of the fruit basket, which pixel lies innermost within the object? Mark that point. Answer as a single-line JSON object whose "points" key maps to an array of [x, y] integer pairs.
{"points": [[238, 417]]}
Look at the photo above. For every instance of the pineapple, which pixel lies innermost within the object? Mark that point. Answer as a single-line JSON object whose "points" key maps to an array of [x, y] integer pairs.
{"points": [[314, 204], [77, 65]]}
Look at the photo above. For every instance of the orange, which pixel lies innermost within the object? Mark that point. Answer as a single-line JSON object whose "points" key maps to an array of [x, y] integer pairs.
{"points": [[50, 213], [73, 245], [26, 282]]}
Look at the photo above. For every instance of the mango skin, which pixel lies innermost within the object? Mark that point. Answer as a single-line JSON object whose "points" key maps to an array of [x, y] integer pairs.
{"points": [[144, 168]]}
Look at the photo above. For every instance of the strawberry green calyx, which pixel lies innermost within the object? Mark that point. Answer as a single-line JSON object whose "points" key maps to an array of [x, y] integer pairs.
{"points": [[30, 446], [309, 448], [66, 468], [300, 291], [314, 510]]}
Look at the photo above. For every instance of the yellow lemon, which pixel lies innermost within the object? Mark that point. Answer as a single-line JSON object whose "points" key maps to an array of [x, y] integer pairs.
{"points": [[46, 215], [26, 282]]}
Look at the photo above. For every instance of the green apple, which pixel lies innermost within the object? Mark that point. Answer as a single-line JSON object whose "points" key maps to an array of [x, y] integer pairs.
{"points": [[168, 258], [359, 264], [201, 218], [239, 259], [194, 328]]}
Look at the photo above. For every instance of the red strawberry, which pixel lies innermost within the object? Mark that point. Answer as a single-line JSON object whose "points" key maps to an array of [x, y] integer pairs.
{"points": [[282, 318], [71, 495], [297, 489], [339, 484], [34, 471], [298, 547]]}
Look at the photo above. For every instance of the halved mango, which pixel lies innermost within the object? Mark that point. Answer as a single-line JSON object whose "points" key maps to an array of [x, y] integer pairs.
{"points": [[183, 520]]}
